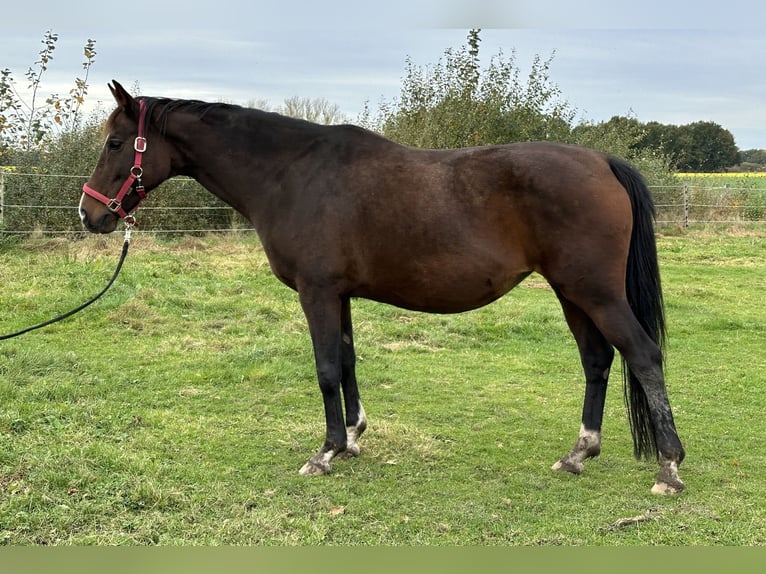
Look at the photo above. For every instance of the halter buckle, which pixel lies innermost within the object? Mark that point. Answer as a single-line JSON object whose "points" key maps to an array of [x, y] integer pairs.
{"points": [[140, 144], [114, 205]]}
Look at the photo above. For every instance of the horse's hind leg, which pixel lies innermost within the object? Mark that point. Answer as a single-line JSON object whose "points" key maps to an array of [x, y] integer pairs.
{"points": [[596, 355], [653, 427], [356, 421]]}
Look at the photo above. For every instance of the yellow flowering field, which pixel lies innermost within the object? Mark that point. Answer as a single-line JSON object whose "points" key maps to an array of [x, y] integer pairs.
{"points": [[733, 180]]}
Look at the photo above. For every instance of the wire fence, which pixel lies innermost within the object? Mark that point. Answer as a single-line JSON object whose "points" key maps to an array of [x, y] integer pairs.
{"points": [[46, 204], [698, 203]]}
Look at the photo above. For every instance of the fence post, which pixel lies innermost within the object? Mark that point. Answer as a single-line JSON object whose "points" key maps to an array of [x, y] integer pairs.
{"points": [[686, 204]]}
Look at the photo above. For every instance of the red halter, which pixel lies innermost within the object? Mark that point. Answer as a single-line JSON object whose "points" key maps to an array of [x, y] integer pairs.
{"points": [[136, 172]]}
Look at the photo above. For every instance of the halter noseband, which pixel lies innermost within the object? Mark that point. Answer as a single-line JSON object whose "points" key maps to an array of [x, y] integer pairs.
{"points": [[136, 172]]}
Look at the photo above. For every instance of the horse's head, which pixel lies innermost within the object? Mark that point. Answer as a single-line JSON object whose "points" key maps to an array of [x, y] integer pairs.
{"points": [[134, 160]]}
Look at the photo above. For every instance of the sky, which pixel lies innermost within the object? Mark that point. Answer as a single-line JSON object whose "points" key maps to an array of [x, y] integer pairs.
{"points": [[671, 62]]}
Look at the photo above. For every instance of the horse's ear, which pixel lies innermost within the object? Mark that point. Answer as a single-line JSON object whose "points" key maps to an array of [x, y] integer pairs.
{"points": [[124, 100]]}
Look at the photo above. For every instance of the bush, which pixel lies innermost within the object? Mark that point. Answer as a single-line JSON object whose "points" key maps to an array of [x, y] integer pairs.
{"points": [[456, 103]]}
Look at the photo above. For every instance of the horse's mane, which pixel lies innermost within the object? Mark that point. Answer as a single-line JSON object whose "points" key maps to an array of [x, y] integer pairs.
{"points": [[168, 105], [158, 109]]}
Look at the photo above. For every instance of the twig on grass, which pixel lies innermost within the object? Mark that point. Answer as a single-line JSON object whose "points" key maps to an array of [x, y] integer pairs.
{"points": [[651, 514]]}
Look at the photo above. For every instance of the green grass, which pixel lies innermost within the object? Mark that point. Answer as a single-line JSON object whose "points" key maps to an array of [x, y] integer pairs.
{"points": [[178, 410]]}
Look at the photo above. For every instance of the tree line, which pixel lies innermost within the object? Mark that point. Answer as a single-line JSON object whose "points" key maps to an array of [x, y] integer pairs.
{"points": [[702, 146]]}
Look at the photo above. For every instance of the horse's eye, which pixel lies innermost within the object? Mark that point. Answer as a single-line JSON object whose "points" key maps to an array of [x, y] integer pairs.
{"points": [[113, 145]]}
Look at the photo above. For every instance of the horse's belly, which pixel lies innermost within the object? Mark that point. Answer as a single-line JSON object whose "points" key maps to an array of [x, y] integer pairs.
{"points": [[445, 293]]}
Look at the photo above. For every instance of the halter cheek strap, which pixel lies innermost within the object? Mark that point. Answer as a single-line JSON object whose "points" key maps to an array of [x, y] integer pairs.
{"points": [[133, 180]]}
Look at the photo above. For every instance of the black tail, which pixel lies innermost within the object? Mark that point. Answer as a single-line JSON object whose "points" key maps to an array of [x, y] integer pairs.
{"points": [[644, 292]]}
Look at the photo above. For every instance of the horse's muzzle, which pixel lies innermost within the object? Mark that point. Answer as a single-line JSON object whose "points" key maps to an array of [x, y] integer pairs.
{"points": [[106, 223]]}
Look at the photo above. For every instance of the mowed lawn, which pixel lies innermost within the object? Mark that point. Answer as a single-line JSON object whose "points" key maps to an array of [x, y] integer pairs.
{"points": [[178, 410]]}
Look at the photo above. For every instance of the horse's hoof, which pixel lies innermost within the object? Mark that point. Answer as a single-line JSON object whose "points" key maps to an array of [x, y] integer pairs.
{"points": [[668, 489], [564, 465], [315, 468], [667, 481], [350, 452]]}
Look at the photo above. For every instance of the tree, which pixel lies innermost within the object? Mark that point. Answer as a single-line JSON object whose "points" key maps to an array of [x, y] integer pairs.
{"points": [[662, 137], [753, 160], [626, 137], [706, 147], [456, 103], [29, 125], [695, 147], [317, 110], [754, 156], [620, 135]]}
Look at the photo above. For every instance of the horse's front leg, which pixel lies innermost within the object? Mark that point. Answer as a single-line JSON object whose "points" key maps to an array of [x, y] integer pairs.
{"points": [[323, 313]]}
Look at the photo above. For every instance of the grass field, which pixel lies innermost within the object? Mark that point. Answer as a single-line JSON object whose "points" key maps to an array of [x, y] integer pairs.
{"points": [[178, 410]]}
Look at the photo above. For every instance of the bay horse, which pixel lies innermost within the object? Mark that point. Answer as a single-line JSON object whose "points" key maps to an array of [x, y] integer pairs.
{"points": [[343, 213]]}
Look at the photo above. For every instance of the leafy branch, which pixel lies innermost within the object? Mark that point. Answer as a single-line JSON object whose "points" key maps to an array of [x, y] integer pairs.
{"points": [[25, 124]]}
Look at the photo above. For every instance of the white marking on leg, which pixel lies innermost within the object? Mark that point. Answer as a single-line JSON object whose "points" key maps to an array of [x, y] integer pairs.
{"points": [[321, 462], [588, 439], [668, 481], [588, 445], [354, 432]]}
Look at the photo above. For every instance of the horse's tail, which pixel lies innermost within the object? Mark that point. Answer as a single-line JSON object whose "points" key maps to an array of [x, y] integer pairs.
{"points": [[644, 292]]}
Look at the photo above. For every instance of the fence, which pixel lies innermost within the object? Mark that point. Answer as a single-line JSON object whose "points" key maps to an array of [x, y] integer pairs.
{"points": [[47, 204], [688, 204]]}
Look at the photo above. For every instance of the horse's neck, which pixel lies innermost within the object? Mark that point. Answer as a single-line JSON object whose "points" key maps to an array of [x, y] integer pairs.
{"points": [[238, 159]]}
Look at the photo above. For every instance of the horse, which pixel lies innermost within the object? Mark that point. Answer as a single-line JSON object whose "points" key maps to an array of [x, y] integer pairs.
{"points": [[343, 213]]}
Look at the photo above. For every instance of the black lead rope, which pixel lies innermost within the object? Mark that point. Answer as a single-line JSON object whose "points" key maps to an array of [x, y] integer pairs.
{"points": [[125, 246]]}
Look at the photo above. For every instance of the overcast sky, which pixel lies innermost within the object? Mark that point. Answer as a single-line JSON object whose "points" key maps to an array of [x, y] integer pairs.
{"points": [[672, 62]]}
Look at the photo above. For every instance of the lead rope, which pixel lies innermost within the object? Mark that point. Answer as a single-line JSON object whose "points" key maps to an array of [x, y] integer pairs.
{"points": [[129, 223]]}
